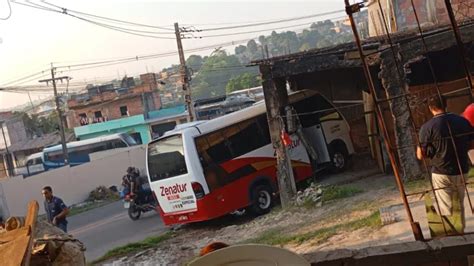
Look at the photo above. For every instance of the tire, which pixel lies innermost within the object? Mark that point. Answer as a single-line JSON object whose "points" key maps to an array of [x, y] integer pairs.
{"points": [[262, 200], [133, 212], [339, 159]]}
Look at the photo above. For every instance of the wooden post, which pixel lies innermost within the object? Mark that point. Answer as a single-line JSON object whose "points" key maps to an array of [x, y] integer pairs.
{"points": [[276, 98]]}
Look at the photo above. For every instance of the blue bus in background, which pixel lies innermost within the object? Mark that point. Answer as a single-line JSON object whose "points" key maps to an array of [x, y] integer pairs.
{"points": [[79, 150]]}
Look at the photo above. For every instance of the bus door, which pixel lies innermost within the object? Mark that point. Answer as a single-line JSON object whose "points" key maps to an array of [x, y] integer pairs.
{"points": [[315, 136]]}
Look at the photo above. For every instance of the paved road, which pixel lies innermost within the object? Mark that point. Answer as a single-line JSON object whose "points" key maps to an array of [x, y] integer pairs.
{"points": [[109, 226]]}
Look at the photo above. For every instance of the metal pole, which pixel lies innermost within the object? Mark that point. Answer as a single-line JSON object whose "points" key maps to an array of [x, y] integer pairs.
{"points": [[399, 72], [460, 44], [60, 115], [9, 168], [184, 74], [350, 9]]}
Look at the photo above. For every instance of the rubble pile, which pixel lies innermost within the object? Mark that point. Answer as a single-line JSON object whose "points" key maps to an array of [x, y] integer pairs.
{"points": [[54, 247], [103, 193], [310, 196]]}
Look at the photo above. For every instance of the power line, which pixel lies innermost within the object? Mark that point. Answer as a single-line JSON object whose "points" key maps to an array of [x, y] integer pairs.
{"points": [[255, 31], [23, 78], [108, 26], [145, 57], [273, 22], [9, 12], [120, 29], [110, 19]]}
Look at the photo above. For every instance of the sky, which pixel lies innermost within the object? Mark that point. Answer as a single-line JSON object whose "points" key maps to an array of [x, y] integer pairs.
{"points": [[31, 39]]}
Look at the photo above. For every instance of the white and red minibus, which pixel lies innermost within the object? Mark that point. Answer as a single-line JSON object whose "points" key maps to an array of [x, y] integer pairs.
{"points": [[213, 168]]}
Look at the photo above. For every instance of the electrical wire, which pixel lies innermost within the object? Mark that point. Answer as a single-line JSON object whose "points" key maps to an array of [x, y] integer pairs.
{"points": [[262, 30], [9, 12], [146, 57], [110, 19], [120, 29], [23, 78], [108, 26], [274, 22]]}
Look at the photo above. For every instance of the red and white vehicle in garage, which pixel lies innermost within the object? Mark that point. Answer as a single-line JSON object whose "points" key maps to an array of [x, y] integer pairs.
{"points": [[216, 167]]}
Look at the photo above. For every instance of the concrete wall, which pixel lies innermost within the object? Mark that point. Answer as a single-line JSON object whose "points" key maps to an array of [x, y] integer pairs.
{"points": [[72, 184]]}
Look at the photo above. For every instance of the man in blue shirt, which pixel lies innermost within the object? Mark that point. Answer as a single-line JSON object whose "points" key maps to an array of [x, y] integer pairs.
{"points": [[56, 210], [437, 145]]}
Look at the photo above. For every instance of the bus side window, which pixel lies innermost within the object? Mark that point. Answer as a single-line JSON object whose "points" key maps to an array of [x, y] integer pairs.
{"points": [[219, 150], [207, 165], [116, 143], [55, 156], [245, 137]]}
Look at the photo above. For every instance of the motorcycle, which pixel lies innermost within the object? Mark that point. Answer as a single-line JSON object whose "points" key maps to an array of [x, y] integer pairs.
{"points": [[137, 207]]}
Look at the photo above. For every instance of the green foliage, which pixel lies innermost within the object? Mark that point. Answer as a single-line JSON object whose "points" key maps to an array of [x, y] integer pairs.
{"points": [[220, 72], [194, 62], [215, 73], [149, 242], [41, 125], [243, 81], [339, 192]]}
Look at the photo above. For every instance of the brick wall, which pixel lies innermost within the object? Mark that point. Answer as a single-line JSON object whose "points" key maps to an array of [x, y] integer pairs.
{"points": [[149, 78], [111, 109], [402, 18]]}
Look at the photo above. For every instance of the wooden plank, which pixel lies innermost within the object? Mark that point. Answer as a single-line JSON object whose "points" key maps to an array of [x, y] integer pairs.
{"points": [[12, 253], [30, 222], [12, 235]]}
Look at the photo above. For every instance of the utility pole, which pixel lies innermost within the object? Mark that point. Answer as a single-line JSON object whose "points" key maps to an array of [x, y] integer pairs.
{"points": [[8, 157], [58, 109], [266, 51], [184, 74]]}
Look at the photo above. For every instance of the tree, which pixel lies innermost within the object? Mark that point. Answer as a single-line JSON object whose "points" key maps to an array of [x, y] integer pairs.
{"points": [[195, 62], [243, 81], [38, 126]]}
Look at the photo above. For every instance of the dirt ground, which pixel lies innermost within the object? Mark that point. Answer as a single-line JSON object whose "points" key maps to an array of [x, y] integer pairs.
{"points": [[377, 191], [347, 222]]}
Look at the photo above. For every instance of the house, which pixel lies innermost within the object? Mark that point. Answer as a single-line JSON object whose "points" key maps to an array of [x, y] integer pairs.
{"points": [[106, 102], [12, 131], [400, 16], [142, 129]]}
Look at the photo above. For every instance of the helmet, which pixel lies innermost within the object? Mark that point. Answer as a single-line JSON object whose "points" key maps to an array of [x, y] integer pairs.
{"points": [[130, 169]]}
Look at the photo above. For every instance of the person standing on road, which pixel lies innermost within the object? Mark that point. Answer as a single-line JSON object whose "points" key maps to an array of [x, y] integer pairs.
{"points": [[56, 210], [437, 146]]}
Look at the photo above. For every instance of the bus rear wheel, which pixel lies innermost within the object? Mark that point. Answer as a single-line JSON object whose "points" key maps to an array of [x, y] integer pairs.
{"points": [[262, 200]]}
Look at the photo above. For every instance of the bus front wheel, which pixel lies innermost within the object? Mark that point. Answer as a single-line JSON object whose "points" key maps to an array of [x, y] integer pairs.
{"points": [[262, 199], [339, 157]]}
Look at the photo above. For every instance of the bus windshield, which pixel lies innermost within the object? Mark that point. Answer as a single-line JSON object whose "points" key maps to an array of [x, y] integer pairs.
{"points": [[166, 158], [129, 140]]}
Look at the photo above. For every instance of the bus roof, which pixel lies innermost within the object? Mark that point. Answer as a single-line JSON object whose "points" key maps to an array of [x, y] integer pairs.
{"points": [[251, 111], [235, 117], [84, 142]]}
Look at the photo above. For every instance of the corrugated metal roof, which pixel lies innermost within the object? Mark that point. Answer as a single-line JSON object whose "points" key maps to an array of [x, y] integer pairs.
{"points": [[38, 143]]}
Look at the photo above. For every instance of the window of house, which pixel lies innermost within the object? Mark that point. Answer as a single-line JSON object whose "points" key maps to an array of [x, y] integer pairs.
{"points": [[123, 111], [98, 114], [83, 119]]}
